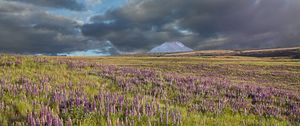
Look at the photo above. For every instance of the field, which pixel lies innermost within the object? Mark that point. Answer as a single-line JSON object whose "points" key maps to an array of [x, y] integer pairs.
{"points": [[292, 52], [149, 91]]}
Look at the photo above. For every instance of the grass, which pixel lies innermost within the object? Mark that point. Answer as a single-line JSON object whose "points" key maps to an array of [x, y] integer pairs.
{"points": [[57, 75]]}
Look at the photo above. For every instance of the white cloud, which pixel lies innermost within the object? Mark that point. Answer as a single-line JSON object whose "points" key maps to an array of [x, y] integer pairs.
{"points": [[94, 52], [93, 2]]}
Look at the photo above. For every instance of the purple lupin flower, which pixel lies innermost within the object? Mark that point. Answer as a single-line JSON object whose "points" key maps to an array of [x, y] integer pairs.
{"points": [[69, 122], [132, 122], [126, 122], [94, 106], [54, 122], [49, 118], [109, 123], [167, 118], [173, 116], [60, 122], [37, 122], [139, 116], [33, 123], [161, 117], [43, 121], [29, 118], [117, 122]]}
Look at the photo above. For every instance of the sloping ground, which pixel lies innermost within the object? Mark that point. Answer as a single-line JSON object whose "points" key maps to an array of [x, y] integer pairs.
{"points": [[205, 53], [149, 91], [143, 91], [279, 52]]}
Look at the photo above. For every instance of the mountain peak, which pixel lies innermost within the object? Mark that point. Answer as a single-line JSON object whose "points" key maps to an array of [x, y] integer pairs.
{"points": [[168, 47]]}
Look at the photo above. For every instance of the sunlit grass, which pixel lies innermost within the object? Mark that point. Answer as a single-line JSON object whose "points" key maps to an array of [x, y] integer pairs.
{"points": [[50, 75]]}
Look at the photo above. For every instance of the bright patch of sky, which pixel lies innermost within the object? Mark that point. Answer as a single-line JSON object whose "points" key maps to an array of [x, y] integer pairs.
{"points": [[183, 31], [103, 50], [93, 7], [93, 52], [186, 32]]}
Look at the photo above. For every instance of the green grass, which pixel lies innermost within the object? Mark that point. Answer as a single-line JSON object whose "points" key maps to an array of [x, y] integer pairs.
{"points": [[253, 70]]}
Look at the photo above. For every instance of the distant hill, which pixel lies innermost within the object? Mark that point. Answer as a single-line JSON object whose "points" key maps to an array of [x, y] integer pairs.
{"points": [[169, 47], [293, 52]]}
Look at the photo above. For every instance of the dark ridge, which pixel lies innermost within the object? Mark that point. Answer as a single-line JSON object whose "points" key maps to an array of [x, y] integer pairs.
{"points": [[294, 53]]}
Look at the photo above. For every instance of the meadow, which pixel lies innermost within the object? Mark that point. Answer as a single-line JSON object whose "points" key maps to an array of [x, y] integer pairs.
{"points": [[149, 91]]}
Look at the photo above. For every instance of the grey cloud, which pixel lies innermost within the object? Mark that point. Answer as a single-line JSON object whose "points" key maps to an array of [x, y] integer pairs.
{"points": [[27, 29], [67, 4], [212, 24]]}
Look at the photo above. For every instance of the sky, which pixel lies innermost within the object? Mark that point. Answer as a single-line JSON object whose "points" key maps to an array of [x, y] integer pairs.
{"points": [[108, 27]]}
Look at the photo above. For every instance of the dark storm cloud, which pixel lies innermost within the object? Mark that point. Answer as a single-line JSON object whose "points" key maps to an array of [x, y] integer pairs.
{"points": [[67, 4], [202, 24], [27, 29]]}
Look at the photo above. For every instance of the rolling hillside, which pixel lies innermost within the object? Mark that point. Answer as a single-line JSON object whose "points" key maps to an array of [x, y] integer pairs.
{"points": [[277, 52]]}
